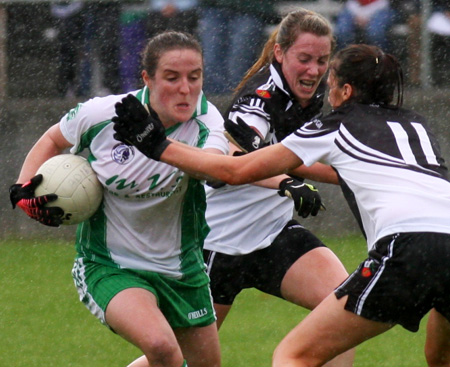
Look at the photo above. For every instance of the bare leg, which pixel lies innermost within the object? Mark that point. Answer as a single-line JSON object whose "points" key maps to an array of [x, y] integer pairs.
{"points": [[437, 346], [326, 332], [200, 345], [134, 315], [310, 280], [221, 313]]}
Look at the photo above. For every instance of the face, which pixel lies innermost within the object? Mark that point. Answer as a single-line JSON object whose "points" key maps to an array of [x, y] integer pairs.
{"points": [[176, 85], [304, 64], [336, 95]]}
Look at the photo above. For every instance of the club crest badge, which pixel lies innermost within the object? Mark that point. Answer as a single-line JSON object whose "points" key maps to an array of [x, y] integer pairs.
{"points": [[122, 154], [263, 93]]}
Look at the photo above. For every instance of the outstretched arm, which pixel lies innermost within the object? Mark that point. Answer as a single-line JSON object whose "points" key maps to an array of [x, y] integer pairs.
{"points": [[267, 162]]}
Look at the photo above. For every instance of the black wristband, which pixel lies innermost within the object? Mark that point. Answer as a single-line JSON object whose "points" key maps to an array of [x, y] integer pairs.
{"points": [[159, 150]]}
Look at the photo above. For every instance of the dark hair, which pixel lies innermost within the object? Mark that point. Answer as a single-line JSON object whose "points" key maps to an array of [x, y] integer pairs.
{"points": [[163, 42], [292, 25], [373, 74]]}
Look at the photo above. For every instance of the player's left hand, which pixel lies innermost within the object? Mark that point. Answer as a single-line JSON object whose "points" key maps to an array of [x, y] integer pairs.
{"points": [[243, 136], [135, 126], [306, 197], [23, 196]]}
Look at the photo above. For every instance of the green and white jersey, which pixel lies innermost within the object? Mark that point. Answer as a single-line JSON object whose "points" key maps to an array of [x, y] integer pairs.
{"points": [[152, 215]]}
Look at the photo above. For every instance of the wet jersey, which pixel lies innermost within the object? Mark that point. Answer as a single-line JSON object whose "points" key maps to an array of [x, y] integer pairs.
{"points": [[152, 215], [247, 218], [389, 162]]}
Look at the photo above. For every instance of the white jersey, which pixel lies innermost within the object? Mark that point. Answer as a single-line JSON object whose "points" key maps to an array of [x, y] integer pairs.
{"points": [[245, 218], [390, 163], [152, 216]]}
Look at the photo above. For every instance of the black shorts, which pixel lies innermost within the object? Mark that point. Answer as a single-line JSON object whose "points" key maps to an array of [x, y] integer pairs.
{"points": [[263, 269], [404, 277]]}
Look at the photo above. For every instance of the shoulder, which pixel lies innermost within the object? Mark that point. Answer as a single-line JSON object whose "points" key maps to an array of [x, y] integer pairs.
{"points": [[211, 117], [96, 110]]}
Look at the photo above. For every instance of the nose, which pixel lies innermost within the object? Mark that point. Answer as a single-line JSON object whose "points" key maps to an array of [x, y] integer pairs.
{"points": [[314, 69], [184, 86]]}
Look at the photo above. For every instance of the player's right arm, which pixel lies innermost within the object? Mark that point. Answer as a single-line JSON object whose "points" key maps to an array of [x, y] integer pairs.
{"points": [[51, 143]]}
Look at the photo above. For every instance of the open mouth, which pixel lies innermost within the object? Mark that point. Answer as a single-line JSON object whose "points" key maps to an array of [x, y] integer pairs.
{"points": [[307, 84]]}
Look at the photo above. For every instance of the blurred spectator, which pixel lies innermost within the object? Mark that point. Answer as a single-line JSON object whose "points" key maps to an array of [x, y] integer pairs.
{"points": [[407, 15], [439, 22], [141, 20], [85, 30], [70, 25], [365, 21], [232, 33], [439, 26], [176, 15], [103, 40], [133, 36]]}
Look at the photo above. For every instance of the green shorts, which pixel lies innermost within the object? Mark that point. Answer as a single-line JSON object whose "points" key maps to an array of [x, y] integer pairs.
{"points": [[184, 302]]}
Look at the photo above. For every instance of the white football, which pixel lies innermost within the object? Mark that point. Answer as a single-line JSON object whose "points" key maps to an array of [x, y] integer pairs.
{"points": [[74, 181]]}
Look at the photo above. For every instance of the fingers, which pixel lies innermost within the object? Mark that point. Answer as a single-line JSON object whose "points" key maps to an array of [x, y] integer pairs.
{"points": [[306, 207], [133, 108], [51, 216]]}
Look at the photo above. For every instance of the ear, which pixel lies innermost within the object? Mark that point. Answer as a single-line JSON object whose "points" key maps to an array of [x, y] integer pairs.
{"points": [[278, 52], [347, 92], [146, 78]]}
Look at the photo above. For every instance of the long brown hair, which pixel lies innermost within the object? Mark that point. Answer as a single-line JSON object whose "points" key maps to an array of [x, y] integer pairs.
{"points": [[373, 74], [292, 25]]}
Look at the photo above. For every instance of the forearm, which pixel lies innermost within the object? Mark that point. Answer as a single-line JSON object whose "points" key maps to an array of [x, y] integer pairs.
{"points": [[318, 172], [232, 170]]}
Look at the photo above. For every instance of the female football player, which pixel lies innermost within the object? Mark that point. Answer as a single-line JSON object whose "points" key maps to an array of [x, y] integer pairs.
{"points": [[391, 164], [139, 265]]}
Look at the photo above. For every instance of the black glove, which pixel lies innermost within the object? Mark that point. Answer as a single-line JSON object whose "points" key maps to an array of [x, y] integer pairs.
{"points": [[23, 196], [243, 136], [135, 126], [306, 197]]}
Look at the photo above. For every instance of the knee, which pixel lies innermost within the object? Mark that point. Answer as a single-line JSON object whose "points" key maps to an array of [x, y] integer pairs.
{"points": [[162, 352], [437, 358]]}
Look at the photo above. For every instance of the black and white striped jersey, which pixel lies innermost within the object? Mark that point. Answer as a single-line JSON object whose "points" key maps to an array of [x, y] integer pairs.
{"points": [[267, 95], [388, 161]]}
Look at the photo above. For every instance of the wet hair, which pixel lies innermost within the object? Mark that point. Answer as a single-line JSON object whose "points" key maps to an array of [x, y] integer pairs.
{"points": [[291, 26], [373, 74], [163, 42]]}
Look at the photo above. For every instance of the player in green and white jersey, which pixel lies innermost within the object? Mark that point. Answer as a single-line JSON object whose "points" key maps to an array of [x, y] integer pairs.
{"points": [[139, 265]]}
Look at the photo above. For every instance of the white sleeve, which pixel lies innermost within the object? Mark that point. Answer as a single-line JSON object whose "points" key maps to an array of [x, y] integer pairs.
{"points": [[311, 149], [214, 121], [85, 116]]}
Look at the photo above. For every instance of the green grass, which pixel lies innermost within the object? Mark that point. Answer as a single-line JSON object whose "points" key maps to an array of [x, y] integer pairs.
{"points": [[42, 323]]}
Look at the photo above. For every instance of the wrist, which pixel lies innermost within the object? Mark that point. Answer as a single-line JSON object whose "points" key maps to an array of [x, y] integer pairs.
{"points": [[283, 183], [159, 149]]}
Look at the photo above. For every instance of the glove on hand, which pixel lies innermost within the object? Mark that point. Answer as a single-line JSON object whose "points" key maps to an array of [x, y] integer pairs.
{"points": [[243, 136], [23, 196], [306, 197], [135, 126]]}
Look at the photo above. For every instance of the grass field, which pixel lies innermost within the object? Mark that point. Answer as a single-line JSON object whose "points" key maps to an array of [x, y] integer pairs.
{"points": [[42, 323]]}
